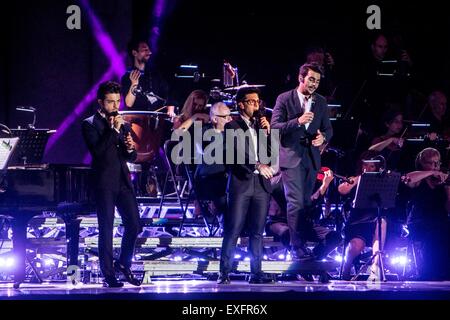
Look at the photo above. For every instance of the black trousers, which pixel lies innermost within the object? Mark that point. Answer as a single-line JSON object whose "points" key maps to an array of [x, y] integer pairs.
{"points": [[245, 205], [106, 201], [298, 184]]}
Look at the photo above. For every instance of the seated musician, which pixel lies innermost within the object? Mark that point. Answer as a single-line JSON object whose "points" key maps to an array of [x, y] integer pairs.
{"points": [[390, 143], [211, 179], [194, 109], [428, 218], [360, 227], [277, 226]]}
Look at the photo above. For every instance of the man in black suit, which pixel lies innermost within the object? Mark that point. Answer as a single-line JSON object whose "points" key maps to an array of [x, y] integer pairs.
{"points": [[111, 146], [302, 118], [248, 185]]}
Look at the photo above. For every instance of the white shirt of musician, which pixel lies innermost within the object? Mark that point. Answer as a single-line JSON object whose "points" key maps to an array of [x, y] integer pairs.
{"points": [[306, 106]]}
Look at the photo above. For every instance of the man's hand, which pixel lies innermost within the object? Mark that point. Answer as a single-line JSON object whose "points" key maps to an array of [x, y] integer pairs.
{"points": [[265, 170], [116, 122], [305, 118], [129, 143], [328, 177], [319, 140], [134, 77]]}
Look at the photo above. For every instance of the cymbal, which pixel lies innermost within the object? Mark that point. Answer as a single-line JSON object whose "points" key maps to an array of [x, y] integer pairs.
{"points": [[245, 85]]}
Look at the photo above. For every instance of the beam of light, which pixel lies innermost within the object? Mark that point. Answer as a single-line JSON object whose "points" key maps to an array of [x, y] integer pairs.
{"points": [[78, 111], [117, 68], [105, 41], [157, 17]]}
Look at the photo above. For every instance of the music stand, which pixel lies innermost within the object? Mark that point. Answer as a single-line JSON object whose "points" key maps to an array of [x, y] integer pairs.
{"points": [[377, 190], [31, 147]]}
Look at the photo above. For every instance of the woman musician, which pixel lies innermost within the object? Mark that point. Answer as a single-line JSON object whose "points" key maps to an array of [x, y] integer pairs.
{"points": [[428, 217]]}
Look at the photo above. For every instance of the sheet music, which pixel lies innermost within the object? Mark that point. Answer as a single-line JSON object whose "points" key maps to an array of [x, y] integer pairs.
{"points": [[7, 146]]}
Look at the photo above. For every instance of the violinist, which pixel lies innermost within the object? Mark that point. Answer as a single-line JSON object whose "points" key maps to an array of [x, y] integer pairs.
{"points": [[194, 109], [389, 145], [428, 218]]}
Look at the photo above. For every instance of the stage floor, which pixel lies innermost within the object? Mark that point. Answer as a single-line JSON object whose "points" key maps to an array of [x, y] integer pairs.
{"points": [[237, 290]]}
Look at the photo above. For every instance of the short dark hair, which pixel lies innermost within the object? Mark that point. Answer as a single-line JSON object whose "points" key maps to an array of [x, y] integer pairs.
{"points": [[107, 87], [303, 71], [240, 95]]}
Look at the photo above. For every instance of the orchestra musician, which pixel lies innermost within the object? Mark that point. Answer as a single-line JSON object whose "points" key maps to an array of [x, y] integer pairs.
{"points": [[428, 217]]}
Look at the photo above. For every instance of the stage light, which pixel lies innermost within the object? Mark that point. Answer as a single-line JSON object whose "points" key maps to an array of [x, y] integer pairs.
{"points": [[9, 262], [177, 258], [281, 257], [338, 258], [237, 256], [247, 259], [49, 262], [265, 257], [2, 262], [401, 260]]}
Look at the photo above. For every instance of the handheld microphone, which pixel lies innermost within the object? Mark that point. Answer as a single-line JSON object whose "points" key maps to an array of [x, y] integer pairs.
{"points": [[124, 127], [313, 102], [258, 114]]}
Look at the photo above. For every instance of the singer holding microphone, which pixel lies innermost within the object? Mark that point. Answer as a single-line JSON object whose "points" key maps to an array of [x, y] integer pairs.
{"points": [[301, 115], [248, 186], [111, 146]]}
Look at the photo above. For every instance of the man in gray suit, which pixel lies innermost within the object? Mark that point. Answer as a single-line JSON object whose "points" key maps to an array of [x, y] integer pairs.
{"points": [[302, 118]]}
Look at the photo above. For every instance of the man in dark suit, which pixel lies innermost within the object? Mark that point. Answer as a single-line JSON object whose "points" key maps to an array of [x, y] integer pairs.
{"points": [[302, 119], [248, 185], [111, 146]]}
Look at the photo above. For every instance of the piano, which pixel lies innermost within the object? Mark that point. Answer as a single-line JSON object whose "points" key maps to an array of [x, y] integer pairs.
{"points": [[27, 191]]}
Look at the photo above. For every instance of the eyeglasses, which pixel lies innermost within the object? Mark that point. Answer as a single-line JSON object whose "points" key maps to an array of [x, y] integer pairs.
{"points": [[435, 163], [223, 116], [252, 101]]}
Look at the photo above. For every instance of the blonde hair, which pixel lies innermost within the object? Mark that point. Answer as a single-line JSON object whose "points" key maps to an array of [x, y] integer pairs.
{"points": [[186, 111], [426, 153]]}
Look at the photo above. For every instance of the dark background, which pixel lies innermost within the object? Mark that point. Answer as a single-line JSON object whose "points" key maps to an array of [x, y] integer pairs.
{"points": [[45, 65]]}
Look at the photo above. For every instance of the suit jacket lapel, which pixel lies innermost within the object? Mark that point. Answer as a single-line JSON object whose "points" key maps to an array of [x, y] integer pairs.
{"points": [[248, 144], [297, 103]]}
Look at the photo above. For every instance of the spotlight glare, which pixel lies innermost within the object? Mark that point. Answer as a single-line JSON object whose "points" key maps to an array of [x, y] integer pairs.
{"points": [[237, 256], [9, 262], [281, 257]]}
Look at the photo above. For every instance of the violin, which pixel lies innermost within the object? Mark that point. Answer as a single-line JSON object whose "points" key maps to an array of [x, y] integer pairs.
{"points": [[321, 175]]}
